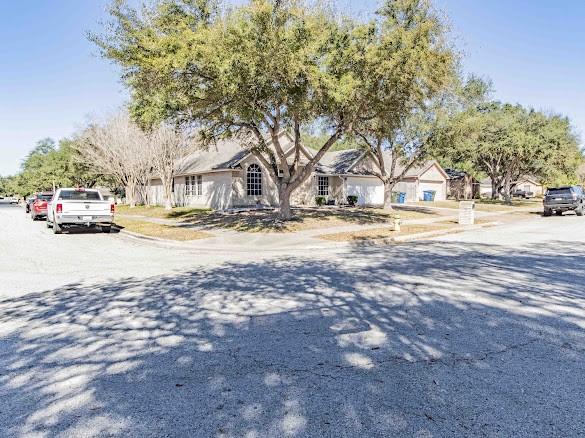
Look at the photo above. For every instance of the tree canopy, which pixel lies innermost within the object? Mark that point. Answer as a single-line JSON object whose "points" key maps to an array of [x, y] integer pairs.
{"points": [[50, 165], [273, 65], [506, 142]]}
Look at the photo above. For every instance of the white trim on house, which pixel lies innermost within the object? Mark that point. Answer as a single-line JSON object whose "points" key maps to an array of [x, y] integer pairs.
{"points": [[203, 172]]}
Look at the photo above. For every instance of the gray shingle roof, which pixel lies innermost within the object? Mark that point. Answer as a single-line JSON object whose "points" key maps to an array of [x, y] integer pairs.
{"points": [[338, 162], [226, 155]]}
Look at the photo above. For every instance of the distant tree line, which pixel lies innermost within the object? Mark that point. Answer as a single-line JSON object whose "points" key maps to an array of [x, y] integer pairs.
{"points": [[50, 165]]}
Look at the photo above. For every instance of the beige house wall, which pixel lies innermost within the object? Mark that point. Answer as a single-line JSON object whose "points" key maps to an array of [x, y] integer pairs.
{"points": [[366, 165], [525, 184], [305, 194], [228, 188], [215, 191], [239, 184]]}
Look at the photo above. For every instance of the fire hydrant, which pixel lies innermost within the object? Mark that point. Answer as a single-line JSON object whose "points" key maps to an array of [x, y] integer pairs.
{"points": [[396, 223]]}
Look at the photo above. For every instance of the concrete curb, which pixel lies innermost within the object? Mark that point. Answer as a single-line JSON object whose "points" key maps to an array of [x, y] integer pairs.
{"points": [[422, 236], [193, 244], [320, 244], [150, 239]]}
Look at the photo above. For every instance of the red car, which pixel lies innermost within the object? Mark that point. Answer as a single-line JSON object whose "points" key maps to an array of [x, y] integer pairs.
{"points": [[38, 208]]}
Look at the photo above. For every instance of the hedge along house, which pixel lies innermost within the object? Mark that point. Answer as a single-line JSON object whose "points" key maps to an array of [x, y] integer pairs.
{"points": [[228, 176]]}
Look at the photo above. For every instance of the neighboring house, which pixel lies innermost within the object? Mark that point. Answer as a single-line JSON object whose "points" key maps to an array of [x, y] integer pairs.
{"points": [[531, 185], [227, 176], [525, 183], [461, 185]]}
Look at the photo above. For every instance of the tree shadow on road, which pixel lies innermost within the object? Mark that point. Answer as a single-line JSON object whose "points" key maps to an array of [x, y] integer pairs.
{"points": [[429, 339]]}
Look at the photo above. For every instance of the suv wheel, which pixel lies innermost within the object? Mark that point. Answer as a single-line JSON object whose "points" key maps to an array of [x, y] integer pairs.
{"points": [[579, 211], [547, 212], [559, 213]]}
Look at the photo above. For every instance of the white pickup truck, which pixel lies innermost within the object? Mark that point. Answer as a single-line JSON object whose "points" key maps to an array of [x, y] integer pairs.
{"points": [[79, 207]]}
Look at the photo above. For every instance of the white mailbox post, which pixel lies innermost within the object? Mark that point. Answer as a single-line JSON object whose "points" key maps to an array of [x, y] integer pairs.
{"points": [[466, 213]]}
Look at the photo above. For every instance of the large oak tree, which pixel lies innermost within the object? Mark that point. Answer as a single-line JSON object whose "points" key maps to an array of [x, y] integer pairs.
{"points": [[273, 65]]}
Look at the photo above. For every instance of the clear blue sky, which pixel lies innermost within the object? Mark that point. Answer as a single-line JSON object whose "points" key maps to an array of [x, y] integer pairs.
{"points": [[51, 78]]}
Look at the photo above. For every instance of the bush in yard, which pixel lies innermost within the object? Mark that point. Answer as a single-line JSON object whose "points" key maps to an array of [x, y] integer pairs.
{"points": [[352, 200], [320, 200]]}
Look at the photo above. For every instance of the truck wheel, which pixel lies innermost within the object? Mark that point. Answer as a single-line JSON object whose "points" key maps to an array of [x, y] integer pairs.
{"points": [[547, 212], [56, 228], [106, 229]]}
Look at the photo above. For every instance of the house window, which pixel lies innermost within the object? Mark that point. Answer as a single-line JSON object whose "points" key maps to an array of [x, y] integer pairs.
{"points": [[189, 183], [199, 186], [254, 180], [323, 186], [194, 185]]}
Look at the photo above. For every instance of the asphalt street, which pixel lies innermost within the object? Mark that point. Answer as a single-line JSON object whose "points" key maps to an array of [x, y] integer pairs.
{"points": [[475, 334]]}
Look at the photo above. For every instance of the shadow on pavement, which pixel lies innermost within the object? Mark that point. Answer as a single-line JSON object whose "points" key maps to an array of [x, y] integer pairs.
{"points": [[431, 339]]}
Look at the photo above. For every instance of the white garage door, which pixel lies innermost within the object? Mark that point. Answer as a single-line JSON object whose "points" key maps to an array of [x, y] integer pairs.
{"points": [[437, 187], [370, 191]]}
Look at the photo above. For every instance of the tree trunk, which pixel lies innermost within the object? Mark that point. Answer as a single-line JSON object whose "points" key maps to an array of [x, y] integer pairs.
{"points": [[507, 190], [495, 189], [388, 186], [168, 190], [285, 211], [131, 195]]}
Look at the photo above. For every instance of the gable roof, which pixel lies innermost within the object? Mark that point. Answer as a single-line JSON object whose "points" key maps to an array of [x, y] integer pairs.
{"points": [[224, 155], [345, 163], [456, 173], [339, 162], [227, 155]]}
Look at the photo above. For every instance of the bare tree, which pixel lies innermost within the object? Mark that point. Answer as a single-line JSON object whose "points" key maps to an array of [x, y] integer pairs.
{"points": [[119, 148], [167, 147]]}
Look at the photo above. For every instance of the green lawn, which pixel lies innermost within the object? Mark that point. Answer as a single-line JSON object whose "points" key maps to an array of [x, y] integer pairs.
{"points": [[160, 231], [267, 221], [161, 213]]}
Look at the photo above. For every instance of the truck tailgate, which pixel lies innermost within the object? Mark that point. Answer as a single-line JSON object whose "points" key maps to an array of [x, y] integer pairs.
{"points": [[82, 208]]}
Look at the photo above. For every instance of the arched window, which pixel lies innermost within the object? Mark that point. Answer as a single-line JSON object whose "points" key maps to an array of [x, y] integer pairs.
{"points": [[254, 180]]}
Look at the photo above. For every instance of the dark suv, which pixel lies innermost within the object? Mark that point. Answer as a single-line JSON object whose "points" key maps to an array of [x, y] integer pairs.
{"points": [[560, 199]]}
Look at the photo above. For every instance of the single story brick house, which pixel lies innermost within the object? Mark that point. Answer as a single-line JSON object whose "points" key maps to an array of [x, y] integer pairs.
{"points": [[228, 176]]}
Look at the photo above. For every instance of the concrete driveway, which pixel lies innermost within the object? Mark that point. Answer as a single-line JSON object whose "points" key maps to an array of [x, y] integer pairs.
{"points": [[481, 333]]}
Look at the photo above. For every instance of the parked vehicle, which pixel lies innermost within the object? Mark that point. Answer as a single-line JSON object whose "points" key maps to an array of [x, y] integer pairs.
{"points": [[561, 199], [79, 207], [38, 208], [13, 200], [522, 194], [28, 203]]}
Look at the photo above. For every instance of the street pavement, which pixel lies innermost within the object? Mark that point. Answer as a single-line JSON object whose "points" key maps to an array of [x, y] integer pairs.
{"points": [[480, 333]]}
